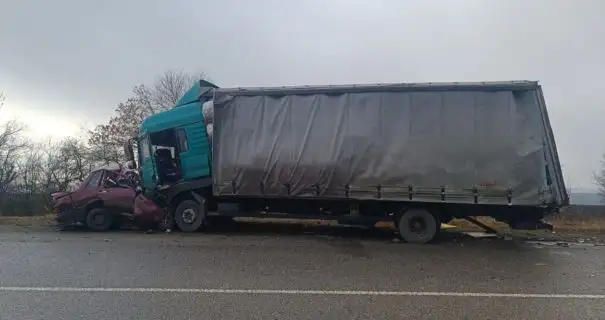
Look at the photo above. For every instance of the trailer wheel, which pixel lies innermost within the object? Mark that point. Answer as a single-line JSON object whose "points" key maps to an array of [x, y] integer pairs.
{"points": [[98, 219], [189, 216], [417, 226]]}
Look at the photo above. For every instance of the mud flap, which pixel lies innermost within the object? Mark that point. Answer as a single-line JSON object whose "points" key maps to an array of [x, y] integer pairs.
{"points": [[202, 205]]}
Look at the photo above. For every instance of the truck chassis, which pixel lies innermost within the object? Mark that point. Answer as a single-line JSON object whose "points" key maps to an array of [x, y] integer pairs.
{"points": [[192, 205]]}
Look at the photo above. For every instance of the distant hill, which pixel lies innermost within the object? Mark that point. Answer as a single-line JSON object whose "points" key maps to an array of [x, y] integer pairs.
{"points": [[585, 198]]}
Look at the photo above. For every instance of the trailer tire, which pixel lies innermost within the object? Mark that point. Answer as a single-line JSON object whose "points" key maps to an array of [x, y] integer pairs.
{"points": [[98, 219], [418, 226], [189, 216]]}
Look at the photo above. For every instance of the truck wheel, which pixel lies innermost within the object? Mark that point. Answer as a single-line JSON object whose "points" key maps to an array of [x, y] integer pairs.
{"points": [[98, 219], [418, 226], [189, 216]]}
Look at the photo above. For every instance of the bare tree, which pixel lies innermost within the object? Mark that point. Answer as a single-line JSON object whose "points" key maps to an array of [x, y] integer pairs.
{"points": [[166, 91], [599, 178], [106, 140], [42, 168], [30, 171], [12, 146], [66, 162], [2, 99], [170, 87]]}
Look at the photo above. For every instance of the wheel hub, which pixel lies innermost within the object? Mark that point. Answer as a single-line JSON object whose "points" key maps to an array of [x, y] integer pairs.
{"points": [[99, 219], [189, 216], [418, 225]]}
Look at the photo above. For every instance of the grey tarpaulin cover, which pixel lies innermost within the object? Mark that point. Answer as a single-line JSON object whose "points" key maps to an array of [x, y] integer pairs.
{"points": [[394, 142]]}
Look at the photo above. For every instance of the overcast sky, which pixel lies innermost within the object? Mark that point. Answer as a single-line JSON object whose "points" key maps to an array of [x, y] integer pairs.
{"points": [[68, 62]]}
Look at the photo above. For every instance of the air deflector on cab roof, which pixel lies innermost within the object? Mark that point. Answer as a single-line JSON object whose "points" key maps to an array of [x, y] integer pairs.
{"points": [[202, 88]]}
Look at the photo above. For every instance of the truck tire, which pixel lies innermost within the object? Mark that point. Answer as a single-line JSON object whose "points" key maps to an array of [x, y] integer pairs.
{"points": [[418, 226], [98, 219], [189, 216]]}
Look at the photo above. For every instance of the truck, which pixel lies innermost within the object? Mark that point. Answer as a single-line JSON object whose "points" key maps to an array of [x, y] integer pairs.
{"points": [[416, 154]]}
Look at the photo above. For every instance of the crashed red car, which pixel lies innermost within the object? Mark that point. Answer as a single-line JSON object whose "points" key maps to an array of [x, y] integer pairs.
{"points": [[105, 199]]}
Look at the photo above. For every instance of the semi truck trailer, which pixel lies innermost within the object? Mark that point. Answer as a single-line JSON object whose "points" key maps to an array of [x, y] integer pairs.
{"points": [[415, 154]]}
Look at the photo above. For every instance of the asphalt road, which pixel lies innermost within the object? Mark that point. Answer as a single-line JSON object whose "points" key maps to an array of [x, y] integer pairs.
{"points": [[266, 273]]}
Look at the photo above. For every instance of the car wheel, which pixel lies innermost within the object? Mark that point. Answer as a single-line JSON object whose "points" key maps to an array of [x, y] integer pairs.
{"points": [[189, 216], [418, 226], [98, 219]]}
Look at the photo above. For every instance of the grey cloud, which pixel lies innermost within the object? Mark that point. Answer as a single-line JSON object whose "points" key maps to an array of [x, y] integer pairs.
{"points": [[82, 57]]}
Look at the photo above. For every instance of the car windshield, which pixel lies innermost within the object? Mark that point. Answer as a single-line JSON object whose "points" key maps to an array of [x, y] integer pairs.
{"points": [[93, 180]]}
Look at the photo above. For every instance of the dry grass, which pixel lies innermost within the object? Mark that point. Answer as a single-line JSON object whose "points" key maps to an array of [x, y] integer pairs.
{"points": [[29, 221], [561, 223], [569, 223]]}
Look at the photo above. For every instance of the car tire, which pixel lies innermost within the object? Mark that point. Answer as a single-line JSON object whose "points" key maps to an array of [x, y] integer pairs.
{"points": [[98, 219], [189, 215], [418, 226]]}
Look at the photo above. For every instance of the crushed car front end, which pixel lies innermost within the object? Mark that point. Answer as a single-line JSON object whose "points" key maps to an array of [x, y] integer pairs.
{"points": [[66, 214]]}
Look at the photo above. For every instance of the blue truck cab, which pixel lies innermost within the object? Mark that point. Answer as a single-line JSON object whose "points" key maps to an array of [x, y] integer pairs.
{"points": [[173, 145]]}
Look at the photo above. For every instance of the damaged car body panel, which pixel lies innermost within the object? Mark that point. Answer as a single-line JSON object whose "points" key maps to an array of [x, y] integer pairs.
{"points": [[70, 207], [106, 198], [147, 212]]}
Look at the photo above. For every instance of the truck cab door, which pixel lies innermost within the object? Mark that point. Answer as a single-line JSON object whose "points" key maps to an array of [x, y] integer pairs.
{"points": [[194, 149], [147, 170]]}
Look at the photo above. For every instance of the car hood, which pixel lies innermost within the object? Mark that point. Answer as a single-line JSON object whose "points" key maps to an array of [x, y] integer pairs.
{"points": [[58, 195]]}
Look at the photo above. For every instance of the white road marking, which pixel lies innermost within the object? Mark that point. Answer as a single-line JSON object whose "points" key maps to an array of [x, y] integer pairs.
{"points": [[307, 292]]}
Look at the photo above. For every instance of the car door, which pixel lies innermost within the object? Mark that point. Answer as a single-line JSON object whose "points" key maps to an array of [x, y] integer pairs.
{"points": [[88, 191], [116, 198]]}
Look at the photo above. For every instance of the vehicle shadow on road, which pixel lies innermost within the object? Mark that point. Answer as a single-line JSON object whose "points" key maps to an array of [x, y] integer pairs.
{"points": [[334, 233], [347, 237]]}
